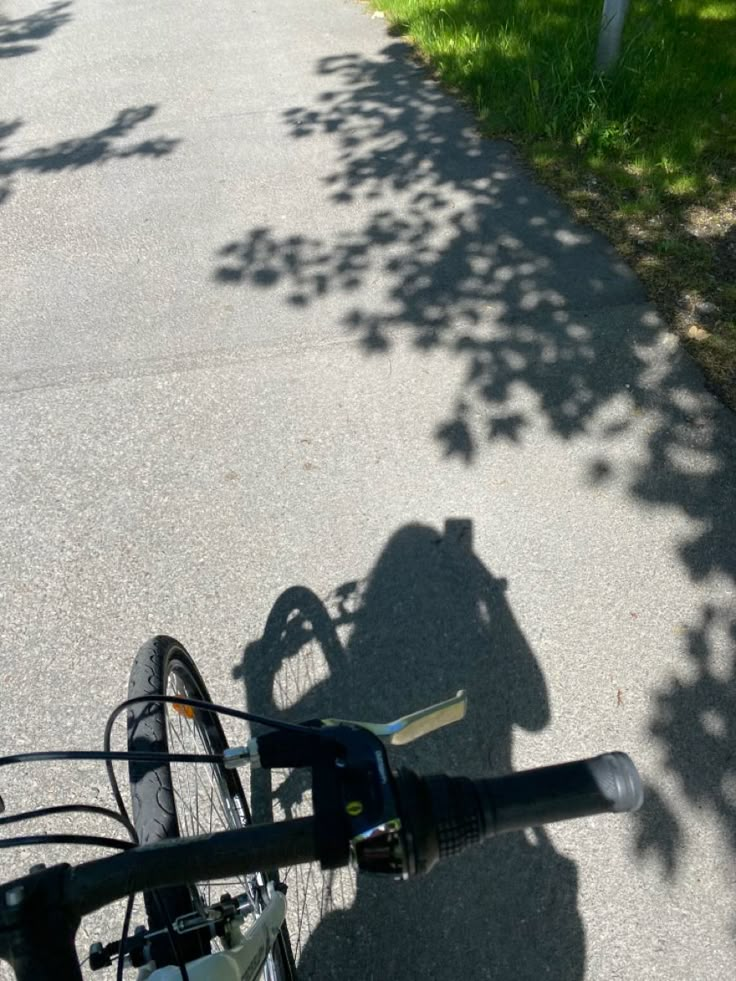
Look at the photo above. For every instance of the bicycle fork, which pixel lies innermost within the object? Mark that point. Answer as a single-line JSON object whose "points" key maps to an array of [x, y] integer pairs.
{"points": [[244, 959]]}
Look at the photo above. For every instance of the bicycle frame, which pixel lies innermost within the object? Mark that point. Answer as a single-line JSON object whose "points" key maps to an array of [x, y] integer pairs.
{"points": [[244, 961]]}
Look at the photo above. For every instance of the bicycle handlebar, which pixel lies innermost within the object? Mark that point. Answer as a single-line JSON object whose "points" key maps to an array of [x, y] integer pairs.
{"points": [[178, 861], [439, 817], [444, 815]]}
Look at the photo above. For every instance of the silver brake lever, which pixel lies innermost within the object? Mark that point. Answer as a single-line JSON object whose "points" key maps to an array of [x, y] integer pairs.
{"points": [[410, 727]]}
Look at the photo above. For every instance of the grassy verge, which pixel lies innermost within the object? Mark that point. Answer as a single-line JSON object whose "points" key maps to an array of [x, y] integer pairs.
{"points": [[648, 155]]}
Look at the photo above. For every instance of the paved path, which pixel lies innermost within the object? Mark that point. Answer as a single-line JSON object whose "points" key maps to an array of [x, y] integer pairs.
{"points": [[272, 314]]}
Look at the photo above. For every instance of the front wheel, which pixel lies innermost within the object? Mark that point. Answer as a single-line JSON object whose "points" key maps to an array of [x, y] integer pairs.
{"points": [[174, 800]]}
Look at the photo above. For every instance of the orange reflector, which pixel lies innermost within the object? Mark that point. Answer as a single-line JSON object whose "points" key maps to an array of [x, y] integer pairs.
{"points": [[186, 710]]}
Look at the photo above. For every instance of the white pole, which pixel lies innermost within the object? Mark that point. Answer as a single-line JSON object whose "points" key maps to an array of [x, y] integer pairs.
{"points": [[609, 39]]}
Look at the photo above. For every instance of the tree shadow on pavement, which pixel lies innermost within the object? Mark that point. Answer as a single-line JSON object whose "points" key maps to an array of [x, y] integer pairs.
{"points": [[469, 255], [429, 619], [17, 35], [98, 147], [694, 722], [451, 247]]}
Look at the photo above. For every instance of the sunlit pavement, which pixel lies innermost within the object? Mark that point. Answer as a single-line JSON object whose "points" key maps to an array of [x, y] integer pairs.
{"points": [[272, 314]]}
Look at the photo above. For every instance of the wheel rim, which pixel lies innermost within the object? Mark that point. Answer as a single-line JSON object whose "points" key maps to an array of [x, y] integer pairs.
{"points": [[204, 800]]}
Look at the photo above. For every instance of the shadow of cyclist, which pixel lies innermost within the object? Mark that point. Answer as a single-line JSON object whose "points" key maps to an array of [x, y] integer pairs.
{"points": [[429, 619]]}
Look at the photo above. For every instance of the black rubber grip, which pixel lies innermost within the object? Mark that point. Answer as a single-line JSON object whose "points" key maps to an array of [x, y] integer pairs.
{"points": [[458, 820], [608, 783]]}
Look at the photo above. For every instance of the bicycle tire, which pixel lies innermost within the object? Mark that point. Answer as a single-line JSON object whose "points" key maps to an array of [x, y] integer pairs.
{"points": [[154, 795]]}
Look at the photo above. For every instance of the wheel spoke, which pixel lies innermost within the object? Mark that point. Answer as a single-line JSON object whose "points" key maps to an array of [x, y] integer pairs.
{"points": [[202, 797]]}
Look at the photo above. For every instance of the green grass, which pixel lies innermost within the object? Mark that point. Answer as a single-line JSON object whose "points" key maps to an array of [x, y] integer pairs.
{"points": [[658, 135]]}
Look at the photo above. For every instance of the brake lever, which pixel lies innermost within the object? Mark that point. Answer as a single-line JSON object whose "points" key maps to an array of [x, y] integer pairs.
{"points": [[415, 725], [353, 790]]}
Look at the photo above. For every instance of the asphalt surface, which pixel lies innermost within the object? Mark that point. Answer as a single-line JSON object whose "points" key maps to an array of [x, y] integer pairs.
{"points": [[272, 315]]}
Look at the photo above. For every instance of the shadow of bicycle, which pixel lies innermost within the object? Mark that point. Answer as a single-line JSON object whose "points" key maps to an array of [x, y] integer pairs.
{"points": [[429, 619]]}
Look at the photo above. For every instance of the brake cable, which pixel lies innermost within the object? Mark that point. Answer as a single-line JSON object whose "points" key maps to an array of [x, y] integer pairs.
{"points": [[193, 703]]}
